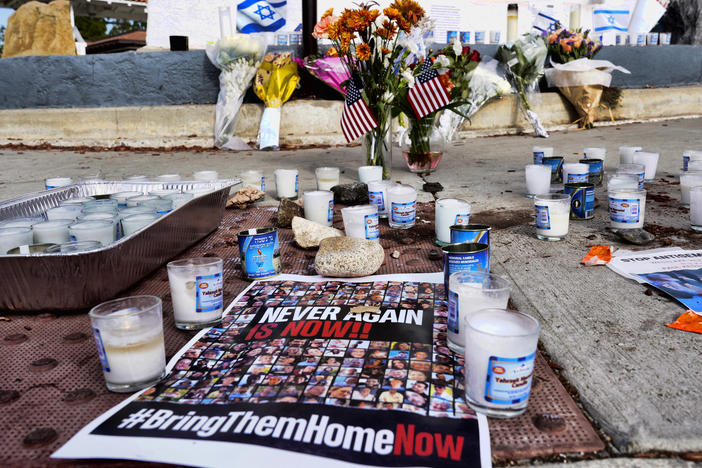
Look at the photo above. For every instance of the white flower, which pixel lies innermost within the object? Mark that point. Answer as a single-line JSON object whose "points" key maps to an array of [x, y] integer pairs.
{"points": [[408, 77], [386, 62], [387, 96], [457, 46], [444, 63]]}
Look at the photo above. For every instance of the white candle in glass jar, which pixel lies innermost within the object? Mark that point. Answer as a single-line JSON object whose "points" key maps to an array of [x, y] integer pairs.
{"points": [[124, 212], [620, 180], [541, 152], [135, 222], [696, 207], [319, 206], [378, 195], [21, 222], [121, 197], [95, 206], [370, 173], [161, 206], [327, 177], [52, 232], [627, 208], [626, 154], [689, 156], [688, 179], [552, 214], [12, 237], [56, 182], [361, 222], [402, 206], [595, 153], [101, 231], [287, 183], [450, 212], [538, 179], [206, 176], [168, 178], [179, 199], [254, 178], [637, 169], [650, 163], [575, 172], [135, 201], [63, 212], [196, 291]]}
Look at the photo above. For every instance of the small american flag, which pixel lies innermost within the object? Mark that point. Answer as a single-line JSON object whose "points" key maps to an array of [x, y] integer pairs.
{"points": [[427, 95], [356, 119]]}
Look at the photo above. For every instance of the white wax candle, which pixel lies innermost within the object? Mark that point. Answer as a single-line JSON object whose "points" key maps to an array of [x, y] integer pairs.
{"points": [[168, 178], [52, 232], [689, 156], [450, 212], [627, 208], [327, 177], [12, 237], [626, 154], [378, 195], [688, 179], [136, 178], [124, 212], [63, 212], [637, 169], [541, 152], [134, 222], [361, 222], [135, 201], [403, 206], [179, 199], [287, 183], [319, 206], [121, 197], [101, 231], [196, 291], [499, 359], [370, 173], [650, 163], [696, 207], [56, 182], [595, 153], [623, 181], [552, 213], [206, 176], [94, 206], [538, 179], [254, 178], [575, 172]]}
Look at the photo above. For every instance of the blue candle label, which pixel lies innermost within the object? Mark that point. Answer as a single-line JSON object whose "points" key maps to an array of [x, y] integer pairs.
{"points": [[595, 167], [641, 179], [509, 379], [101, 350], [543, 220], [538, 157], [371, 224], [686, 161], [575, 178], [263, 184], [452, 319], [624, 210], [330, 212], [461, 219], [404, 213], [376, 198], [208, 296], [297, 180]]}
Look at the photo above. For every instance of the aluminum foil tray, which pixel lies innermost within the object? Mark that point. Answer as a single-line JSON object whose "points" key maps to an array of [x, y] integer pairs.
{"points": [[66, 282]]}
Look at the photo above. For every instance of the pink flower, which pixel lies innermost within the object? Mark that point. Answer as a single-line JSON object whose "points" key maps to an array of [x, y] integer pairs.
{"points": [[320, 29]]}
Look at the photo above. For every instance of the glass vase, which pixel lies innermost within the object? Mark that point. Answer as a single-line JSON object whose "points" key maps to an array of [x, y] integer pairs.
{"points": [[377, 144], [423, 145]]}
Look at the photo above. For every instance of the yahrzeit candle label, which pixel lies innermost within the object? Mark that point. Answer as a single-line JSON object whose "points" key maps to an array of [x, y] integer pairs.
{"points": [[371, 225], [509, 379], [543, 220], [624, 210], [260, 254], [404, 213], [208, 296]]}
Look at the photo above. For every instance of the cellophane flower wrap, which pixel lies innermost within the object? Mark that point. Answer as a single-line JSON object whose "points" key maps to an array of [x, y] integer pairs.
{"points": [[578, 77], [328, 69], [238, 57], [275, 81], [525, 59]]}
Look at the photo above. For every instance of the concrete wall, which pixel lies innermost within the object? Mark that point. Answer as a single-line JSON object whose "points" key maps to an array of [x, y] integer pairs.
{"points": [[174, 78]]}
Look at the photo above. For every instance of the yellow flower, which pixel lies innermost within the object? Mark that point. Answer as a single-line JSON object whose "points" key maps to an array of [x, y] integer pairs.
{"points": [[363, 52], [329, 12]]}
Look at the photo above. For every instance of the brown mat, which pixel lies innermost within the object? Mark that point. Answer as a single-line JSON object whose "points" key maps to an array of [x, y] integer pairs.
{"points": [[52, 383]]}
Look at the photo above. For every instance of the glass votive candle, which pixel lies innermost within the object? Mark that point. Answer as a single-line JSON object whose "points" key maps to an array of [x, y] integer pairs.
{"points": [[378, 195], [451, 212], [287, 182], [469, 292], [637, 169], [12, 237], [161, 206], [56, 182], [124, 212], [206, 176], [196, 292], [326, 177], [403, 206], [627, 208], [74, 247], [52, 232], [21, 222], [595, 153], [168, 178], [696, 207], [575, 172], [370, 173], [626, 154], [101, 231], [135, 201], [688, 179], [500, 348], [541, 152], [105, 205], [103, 216], [179, 199], [121, 197], [319, 206], [623, 181], [254, 178], [134, 222], [552, 213], [690, 155], [136, 178], [129, 337], [361, 222], [163, 192], [64, 212], [76, 201], [650, 163], [538, 179]]}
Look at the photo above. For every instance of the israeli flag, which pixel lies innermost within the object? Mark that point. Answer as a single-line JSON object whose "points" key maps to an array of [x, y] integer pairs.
{"points": [[611, 20], [545, 23], [260, 16]]}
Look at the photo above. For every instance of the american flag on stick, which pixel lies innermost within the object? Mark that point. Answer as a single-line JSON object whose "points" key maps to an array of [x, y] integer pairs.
{"points": [[356, 119], [427, 95]]}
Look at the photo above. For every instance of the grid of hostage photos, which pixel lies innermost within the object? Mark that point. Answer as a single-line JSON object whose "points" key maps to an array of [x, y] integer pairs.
{"points": [[424, 378]]}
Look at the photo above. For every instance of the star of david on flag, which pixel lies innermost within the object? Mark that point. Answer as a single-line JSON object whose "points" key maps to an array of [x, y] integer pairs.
{"points": [[428, 94], [611, 20], [545, 23], [260, 16], [356, 118]]}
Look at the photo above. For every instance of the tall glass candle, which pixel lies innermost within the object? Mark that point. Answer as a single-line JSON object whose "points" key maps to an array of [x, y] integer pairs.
{"points": [[403, 206], [688, 179], [129, 337], [500, 349], [450, 212], [196, 292], [626, 154], [378, 195], [206, 176], [575, 172], [361, 222], [52, 232], [12, 237], [696, 208], [370, 173], [287, 182], [650, 163], [541, 152], [161, 206], [101, 231], [627, 208], [327, 177], [254, 178], [319, 206], [56, 182], [637, 169], [552, 213], [538, 179]]}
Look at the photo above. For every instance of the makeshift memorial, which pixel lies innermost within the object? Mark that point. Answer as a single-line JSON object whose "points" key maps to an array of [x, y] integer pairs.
{"points": [[524, 59], [500, 348], [696, 207], [238, 57], [636, 169], [52, 232], [254, 178], [582, 200], [469, 292], [402, 206], [129, 337], [329, 69], [206, 176], [287, 183], [627, 208], [688, 180], [538, 179], [326, 177], [260, 253], [319, 206], [690, 155], [650, 163], [56, 182], [196, 292], [101, 231], [367, 174], [12, 237], [378, 195], [449, 212], [552, 212], [541, 152], [361, 222], [275, 81]]}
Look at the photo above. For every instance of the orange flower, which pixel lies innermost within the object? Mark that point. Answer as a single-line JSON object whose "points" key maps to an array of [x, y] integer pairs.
{"points": [[363, 52], [392, 13], [332, 52], [385, 51], [446, 82], [321, 29], [345, 42], [329, 12], [333, 31], [565, 46], [410, 10], [387, 31]]}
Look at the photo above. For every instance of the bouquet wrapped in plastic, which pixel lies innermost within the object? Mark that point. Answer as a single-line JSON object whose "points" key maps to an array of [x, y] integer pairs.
{"points": [[275, 82], [238, 57], [525, 59], [329, 69]]}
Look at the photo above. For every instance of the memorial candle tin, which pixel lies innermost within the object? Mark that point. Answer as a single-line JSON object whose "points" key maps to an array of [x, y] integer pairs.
{"points": [[582, 200], [470, 233], [260, 253], [556, 163], [596, 170], [465, 257]]}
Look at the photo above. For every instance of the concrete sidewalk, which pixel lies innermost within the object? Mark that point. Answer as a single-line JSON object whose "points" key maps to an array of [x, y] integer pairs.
{"points": [[637, 379]]}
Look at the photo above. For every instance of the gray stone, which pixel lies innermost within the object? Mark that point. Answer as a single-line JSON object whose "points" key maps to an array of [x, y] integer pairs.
{"points": [[310, 234], [635, 236], [287, 210], [348, 257], [351, 194]]}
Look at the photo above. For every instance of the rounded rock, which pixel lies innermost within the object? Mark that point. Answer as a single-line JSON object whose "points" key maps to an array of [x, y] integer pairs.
{"points": [[348, 257]]}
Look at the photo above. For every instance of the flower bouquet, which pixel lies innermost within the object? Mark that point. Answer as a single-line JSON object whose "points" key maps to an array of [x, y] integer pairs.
{"points": [[578, 77], [275, 81], [328, 69], [524, 59], [238, 57]]}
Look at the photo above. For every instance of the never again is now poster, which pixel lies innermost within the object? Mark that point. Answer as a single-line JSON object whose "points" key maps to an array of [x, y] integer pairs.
{"points": [[307, 371]]}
